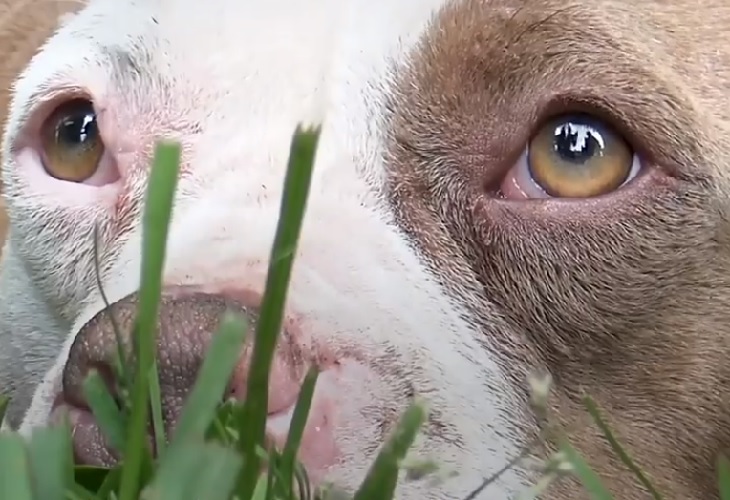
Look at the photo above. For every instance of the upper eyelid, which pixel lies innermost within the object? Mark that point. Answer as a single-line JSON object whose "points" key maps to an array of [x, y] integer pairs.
{"points": [[52, 76], [612, 110], [38, 107], [43, 99]]}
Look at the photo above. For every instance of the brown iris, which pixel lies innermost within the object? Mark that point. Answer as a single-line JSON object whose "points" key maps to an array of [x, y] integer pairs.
{"points": [[578, 156], [72, 145]]}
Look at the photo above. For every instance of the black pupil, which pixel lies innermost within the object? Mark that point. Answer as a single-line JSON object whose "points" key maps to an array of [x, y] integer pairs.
{"points": [[78, 130], [576, 141]]}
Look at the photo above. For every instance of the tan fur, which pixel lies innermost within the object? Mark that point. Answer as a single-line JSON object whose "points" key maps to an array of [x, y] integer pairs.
{"points": [[627, 300]]}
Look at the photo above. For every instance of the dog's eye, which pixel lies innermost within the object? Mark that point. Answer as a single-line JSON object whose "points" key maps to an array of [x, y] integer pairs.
{"points": [[578, 157], [72, 145], [572, 156]]}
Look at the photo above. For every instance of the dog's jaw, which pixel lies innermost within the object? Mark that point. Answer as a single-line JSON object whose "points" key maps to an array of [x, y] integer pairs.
{"points": [[358, 282]]}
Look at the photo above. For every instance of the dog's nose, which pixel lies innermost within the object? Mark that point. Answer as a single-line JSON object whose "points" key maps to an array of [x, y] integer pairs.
{"points": [[186, 324]]}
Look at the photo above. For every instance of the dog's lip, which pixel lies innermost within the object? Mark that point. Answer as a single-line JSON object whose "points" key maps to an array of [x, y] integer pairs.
{"points": [[90, 447], [318, 449]]}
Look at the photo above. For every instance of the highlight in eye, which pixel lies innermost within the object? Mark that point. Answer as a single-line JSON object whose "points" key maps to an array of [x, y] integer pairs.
{"points": [[71, 144], [572, 156], [578, 157]]}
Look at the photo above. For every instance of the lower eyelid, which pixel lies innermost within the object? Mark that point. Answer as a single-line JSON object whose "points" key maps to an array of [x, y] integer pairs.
{"points": [[518, 184], [521, 179], [29, 166], [29, 161]]}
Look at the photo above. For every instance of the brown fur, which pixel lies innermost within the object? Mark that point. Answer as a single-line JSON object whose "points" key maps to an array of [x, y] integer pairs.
{"points": [[627, 298]]}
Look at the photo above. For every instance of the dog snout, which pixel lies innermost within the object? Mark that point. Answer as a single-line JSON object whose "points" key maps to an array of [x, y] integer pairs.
{"points": [[187, 322]]}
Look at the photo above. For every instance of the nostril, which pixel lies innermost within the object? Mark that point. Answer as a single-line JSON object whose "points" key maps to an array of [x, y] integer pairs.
{"points": [[186, 324], [188, 319], [95, 348], [73, 385]]}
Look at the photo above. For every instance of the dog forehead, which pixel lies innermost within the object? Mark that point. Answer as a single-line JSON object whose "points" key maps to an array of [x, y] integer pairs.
{"points": [[182, 67], [228, 45], [210, 50]]}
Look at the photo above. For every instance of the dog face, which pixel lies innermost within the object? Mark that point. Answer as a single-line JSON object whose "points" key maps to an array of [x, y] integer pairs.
{"points": [[441, 254]]}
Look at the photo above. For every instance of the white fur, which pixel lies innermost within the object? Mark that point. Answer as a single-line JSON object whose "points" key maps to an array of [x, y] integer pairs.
{"points": [[247, 72]]}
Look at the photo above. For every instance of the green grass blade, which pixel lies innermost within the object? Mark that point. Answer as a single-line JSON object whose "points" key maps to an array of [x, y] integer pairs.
{"points": [[121, 358], [4, 403], [111, 483], [112, 422], [77, 492], [294, 200], [592, 408], [155, 224], [305, 490], [103, 482], [296, 429], [51, 462], [210, 385], [382, 478], [196, 471], [590, 480], [268, 481], [262, 490], [224, 427], [723, 467], [91, 477], [14, 468], [156, 408]]}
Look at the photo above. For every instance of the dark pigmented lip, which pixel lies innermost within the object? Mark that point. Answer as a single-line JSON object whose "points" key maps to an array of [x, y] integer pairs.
{"points": [[88, 441], [90, 446], [318, 452]]}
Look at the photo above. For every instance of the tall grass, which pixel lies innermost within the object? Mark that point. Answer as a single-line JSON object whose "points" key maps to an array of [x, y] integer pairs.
{"points": [[217, 449]]}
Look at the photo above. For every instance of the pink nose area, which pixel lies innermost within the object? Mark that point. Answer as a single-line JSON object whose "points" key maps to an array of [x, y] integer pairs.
{"points": [[186, 324]]}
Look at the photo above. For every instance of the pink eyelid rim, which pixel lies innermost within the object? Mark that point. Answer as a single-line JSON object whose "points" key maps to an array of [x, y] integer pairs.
{"points": [[518, 184]]}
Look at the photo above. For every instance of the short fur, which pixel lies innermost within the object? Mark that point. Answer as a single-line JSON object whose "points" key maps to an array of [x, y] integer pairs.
{"points": [[24, 25], [406, 257]]}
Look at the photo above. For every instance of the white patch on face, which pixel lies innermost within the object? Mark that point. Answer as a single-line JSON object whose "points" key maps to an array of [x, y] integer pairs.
{"points": [[231, 79]]}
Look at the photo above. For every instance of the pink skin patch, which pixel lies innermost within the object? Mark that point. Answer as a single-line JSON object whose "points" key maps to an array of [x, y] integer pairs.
{"points": [[318, 451], [344, 387]]}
